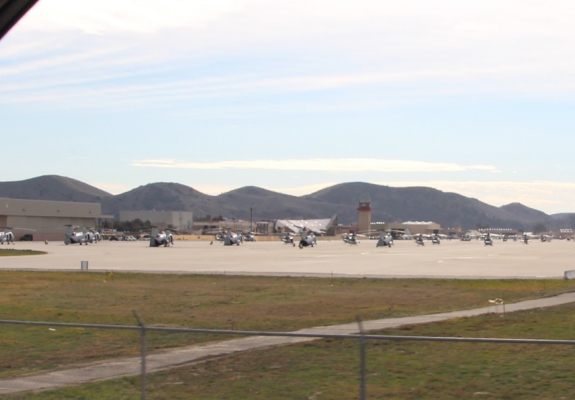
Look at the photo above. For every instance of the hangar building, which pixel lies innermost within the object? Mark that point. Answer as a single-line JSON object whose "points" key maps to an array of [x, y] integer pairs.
{"points": [[177, 219], [411, 227], [46, 220]]}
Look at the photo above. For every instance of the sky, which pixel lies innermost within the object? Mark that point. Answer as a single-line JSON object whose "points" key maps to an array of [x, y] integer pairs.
{"points": [[473, 97]]}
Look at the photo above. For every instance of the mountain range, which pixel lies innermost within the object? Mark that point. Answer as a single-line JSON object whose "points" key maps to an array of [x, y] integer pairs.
{"points": [[389, 204]]}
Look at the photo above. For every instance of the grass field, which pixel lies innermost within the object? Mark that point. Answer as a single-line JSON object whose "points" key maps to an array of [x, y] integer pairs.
{"points": [[14, 252], [248, 303], [328, 369]]}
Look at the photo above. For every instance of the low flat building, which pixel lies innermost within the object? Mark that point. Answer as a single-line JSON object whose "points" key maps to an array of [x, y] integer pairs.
{"points": [[46, 220], [409, 227], [162, 219]]}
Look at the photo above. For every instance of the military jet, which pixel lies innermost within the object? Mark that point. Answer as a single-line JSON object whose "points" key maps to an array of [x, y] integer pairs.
{"points": [[488, 240], [6, 236], [307, 239], [162, 238], [232, 239], [384, 240]]}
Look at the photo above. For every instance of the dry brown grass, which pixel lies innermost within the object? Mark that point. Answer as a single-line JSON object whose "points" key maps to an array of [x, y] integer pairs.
{"points": [[210, 301]]}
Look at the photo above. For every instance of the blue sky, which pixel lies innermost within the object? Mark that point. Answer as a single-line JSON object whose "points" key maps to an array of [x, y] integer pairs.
{"points": [[474, 97]]}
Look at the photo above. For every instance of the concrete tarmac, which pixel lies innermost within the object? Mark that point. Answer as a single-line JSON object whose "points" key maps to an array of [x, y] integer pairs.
{"points": [[130, 366], [450, 259]]}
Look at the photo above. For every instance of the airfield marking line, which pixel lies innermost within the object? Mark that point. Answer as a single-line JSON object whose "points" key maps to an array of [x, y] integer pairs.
{"points": [[167, 359]]}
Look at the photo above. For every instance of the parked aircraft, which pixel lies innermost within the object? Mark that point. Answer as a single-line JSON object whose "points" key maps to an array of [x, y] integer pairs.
{"points": [[384, 240], [161, 238], [96, 235], [350, 238], [288, 239], [307, 239], [488, 240], [78, 237], [232, 238], [419, 240], [249, 237], [6, 236], [546, 238], [435, 239]]}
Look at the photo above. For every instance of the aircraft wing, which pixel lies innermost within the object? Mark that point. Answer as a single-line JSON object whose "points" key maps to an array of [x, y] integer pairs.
{"points": [[11, 11]]}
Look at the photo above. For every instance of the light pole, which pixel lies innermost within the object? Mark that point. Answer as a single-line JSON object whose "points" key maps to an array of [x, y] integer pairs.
{"points": [[251, 221]]}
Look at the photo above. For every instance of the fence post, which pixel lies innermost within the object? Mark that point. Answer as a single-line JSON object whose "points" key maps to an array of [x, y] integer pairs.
{"points": [[362, 391], [143, 343]]}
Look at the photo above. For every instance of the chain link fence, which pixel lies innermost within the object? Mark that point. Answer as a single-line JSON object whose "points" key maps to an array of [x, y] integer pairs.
{"points": [[19, 384]]}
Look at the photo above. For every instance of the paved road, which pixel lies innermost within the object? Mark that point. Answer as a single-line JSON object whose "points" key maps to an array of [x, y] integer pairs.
{"points": [[450, 259], [130, 366]]}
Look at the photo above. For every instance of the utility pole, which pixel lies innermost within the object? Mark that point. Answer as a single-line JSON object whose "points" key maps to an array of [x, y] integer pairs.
{"points": [[251, 221]]}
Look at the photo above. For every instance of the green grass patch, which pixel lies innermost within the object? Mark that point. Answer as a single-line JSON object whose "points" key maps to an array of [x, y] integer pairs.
{"points": [[15, 252], [328, 369], [211, 301]]}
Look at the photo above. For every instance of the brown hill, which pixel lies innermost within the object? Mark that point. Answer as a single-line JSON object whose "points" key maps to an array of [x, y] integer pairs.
{"points": [[525, 213], [389, 204], [418, 203], [52, 187]]}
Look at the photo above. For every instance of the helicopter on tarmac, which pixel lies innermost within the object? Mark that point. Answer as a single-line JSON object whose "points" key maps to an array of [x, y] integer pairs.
{"points": [[75, 237], [163, 238], [350, 238], [288, 239], [488, 240], [525, 239], [232, 239], [384, 240], [6, 236], [307, 239], [435, 239], [546, 238], [419, 240], [249, 237]]}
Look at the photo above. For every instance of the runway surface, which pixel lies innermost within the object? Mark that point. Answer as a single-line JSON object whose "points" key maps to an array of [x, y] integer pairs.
{"points": [[454, 259]]}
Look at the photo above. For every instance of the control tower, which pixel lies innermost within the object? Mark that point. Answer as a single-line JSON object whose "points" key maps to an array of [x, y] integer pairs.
{"points": [[364, 210]]}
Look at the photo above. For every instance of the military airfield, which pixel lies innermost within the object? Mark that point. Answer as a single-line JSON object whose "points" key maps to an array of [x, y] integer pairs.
{"points": [[450, 259], [511, 266]]}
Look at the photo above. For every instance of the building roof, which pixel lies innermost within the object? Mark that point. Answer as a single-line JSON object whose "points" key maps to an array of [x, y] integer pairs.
{"points": [[318, 226]]}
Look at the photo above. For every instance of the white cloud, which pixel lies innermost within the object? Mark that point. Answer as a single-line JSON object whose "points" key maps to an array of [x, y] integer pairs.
{"points": [[458, 47], [317, 164], [113, 17]]}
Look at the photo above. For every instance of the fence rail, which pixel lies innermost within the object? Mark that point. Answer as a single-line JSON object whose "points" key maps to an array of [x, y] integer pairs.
{"points": [[362, 337]]}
